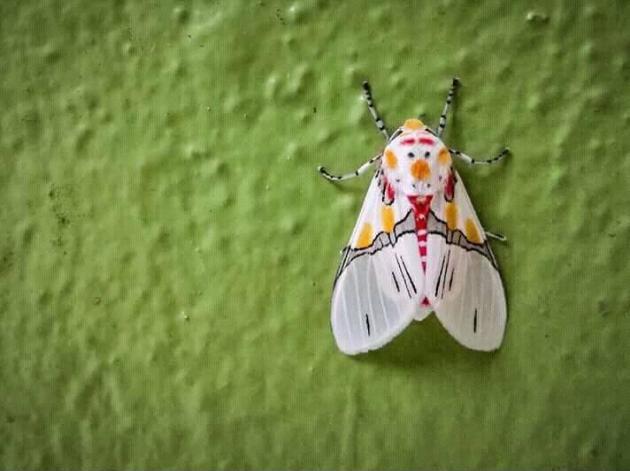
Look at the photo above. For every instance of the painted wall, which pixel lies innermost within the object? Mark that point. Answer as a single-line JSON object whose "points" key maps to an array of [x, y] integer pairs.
{"points": [[167, 247]]}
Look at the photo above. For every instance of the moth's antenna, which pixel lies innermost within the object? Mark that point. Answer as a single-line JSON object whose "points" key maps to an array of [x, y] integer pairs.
{"points": [[449, 99], [367, 93]]}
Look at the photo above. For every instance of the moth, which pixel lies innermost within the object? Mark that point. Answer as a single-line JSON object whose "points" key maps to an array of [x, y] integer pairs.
{"points": [[418, 246]]}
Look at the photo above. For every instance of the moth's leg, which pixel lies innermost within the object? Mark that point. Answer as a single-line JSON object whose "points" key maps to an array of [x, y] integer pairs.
{"points": [[337, 178], [367, 93], [469, 160], [449, 99], [496, 236]]}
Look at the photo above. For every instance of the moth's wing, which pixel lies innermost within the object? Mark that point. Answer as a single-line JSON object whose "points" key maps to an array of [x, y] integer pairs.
{"points": [[463, 281], [378, 285]]}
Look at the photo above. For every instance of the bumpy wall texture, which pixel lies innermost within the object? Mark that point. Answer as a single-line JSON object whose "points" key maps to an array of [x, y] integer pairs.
{"points": [[167, 247]]}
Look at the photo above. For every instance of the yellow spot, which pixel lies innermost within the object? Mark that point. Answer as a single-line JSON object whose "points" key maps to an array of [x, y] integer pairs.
{"points": [[413, 124], [420, 170], [444, 157], [472, 233], [450, 214], [390, 159], [365, 237], [387, 218]]}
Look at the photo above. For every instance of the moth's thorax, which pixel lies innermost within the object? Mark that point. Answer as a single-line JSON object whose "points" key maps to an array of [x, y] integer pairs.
{"points": [[416, 162]]}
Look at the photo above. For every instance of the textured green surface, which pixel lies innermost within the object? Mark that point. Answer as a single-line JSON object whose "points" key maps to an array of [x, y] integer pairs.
{"points": [[167, 247]]}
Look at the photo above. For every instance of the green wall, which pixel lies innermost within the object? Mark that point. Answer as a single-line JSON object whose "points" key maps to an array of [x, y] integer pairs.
{"points": [[167, 247]]}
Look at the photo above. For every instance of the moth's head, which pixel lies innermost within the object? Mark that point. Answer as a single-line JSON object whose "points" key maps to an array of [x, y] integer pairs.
{"points": [[416, 162]]}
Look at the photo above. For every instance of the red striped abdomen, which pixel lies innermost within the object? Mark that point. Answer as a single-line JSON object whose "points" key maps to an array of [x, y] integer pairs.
{"points": [[421, 206]]}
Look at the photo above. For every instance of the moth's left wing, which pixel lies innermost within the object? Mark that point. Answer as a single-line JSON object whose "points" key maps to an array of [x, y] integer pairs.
{"points": [[379, 283], [463, 281]]}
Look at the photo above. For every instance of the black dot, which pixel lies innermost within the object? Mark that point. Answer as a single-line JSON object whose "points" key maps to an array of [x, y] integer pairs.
{"points": [[411, 155], [427, 154]]}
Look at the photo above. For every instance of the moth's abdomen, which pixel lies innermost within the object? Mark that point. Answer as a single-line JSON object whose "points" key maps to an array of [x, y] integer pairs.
{"points": [[421, 206]]}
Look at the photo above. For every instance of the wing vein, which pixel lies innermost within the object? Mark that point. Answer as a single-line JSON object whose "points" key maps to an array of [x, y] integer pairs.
{"points": [[448, 261], [380, 296], [413, 285], [403, 276], [396, 282], [437, 283], [358, 297], [345, 311]]}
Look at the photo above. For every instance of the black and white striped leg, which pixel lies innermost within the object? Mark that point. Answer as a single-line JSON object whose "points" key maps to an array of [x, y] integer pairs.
{"points": [[367, 93], [449, 99], [469, 160], [496, 236], [361, 170]]}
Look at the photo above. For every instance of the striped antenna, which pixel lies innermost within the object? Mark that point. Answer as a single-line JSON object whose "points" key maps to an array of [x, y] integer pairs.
{"points": [[367, 93]]}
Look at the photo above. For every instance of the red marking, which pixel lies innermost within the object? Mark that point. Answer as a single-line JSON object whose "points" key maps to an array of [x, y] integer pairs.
{"points": [[421, 206], [426, 140], [449, 186], [425, 302], [389, 191], [408, 142]]}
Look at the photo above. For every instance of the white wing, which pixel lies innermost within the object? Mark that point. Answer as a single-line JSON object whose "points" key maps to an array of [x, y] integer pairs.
{"points": [[463, 282], [379, 282]]}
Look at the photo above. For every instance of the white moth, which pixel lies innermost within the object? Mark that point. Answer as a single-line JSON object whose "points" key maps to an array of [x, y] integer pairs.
{"points": [[418, 247]]}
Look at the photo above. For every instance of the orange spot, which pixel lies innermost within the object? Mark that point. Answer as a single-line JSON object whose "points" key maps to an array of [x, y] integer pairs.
{"points": [[413, 124], [387, 218], [365, 237], [450, 214], [390, 159], [444, 157], [472, 233], [420, 170]]}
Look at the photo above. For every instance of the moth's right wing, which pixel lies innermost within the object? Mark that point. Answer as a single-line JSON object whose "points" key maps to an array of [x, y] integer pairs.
{"points": [[463, 281], [379, 283]]}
